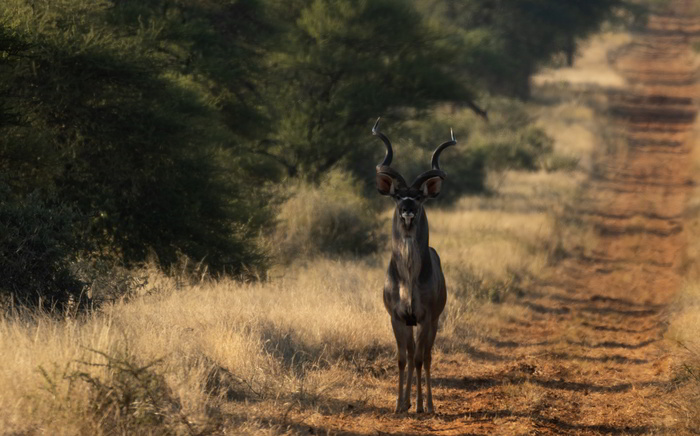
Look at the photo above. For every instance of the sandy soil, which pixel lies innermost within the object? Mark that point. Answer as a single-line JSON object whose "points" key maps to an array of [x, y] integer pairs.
{"points": [[589, 356]]}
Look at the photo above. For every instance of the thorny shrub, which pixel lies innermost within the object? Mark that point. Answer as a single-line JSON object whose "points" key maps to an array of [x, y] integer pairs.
{"points": [[331, 219]]}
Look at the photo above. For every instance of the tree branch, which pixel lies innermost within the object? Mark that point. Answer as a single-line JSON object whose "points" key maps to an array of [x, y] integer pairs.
{"points": [[477, 110], [291, 168]]}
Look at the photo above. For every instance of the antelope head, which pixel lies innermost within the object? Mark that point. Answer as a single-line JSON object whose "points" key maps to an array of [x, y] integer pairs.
{"points": [[409, 198]]}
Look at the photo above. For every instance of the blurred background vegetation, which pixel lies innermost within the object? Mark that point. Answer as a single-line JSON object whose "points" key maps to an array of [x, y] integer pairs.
{"points": [[236, 133]]}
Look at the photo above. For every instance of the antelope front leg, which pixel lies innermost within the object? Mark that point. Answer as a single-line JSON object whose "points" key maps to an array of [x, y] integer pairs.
{"points": [[404, 344], [428, 389], [409, 379], [422, 355], [399, 397], [419, 389]]}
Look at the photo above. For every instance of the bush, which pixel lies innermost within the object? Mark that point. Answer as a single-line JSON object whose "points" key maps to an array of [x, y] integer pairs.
{"points": [[523, 150], [509, 140], [465, 167], [36, 248], [107, 282], [98, 113], [415, 141], [331, 219]]}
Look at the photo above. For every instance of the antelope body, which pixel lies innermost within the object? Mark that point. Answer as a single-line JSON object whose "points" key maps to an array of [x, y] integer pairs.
{"points": [[414, 290]]}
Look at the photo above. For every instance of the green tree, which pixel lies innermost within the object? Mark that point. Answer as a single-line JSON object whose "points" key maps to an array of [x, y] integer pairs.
{"points": [[37, 243], [338, 65], [503, 42], [114, 124]]}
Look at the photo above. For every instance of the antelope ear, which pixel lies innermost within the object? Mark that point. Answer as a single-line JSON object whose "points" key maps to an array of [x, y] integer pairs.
{"points": [[386, 185], [431, 187]]}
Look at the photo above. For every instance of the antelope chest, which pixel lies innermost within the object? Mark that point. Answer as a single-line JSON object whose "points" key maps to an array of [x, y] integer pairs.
{"points": [[408, 266]]}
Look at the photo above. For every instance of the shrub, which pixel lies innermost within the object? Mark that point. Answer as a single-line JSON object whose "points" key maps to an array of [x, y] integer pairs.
{"points": [[509, 140], [523, 149], [415, 141], [37, 245], [107, 282], [331, 219], [129, 397]]}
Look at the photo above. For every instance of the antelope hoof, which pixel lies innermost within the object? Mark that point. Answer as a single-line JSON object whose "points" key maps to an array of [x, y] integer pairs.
{"points": [[429, 407], [401, 408]]}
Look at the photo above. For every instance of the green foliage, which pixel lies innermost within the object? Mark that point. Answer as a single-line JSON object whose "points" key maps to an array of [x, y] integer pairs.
{"points": [[508, 141], [37, 246], [331, 219], [216, 44], [523, 149], [504, 41], [112, 125], [659, 6], [415, 141], [340, 65]]}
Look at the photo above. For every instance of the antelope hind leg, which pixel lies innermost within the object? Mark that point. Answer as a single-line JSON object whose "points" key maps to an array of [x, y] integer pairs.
{"points": [[409, 378], [427, 360], [422, 349]]}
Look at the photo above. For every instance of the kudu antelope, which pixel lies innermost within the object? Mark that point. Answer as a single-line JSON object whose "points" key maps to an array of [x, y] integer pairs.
{"points": [[414, 290]]}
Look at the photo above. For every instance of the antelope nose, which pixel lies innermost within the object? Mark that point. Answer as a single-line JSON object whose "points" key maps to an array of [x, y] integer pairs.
{"points": [[407, 217]]}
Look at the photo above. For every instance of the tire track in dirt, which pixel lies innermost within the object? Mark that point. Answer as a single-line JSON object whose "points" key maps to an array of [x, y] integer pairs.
{"points": [[589, 357]]}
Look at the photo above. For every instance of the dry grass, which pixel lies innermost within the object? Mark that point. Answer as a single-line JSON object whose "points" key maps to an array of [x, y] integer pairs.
{"points": [[591, 66], [273, 343], [509, 233], [574, 126], [572, 101], [683, 335]]}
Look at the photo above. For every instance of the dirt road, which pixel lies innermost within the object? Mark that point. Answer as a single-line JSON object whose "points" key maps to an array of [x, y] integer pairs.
{"points": [[590, 359]]}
